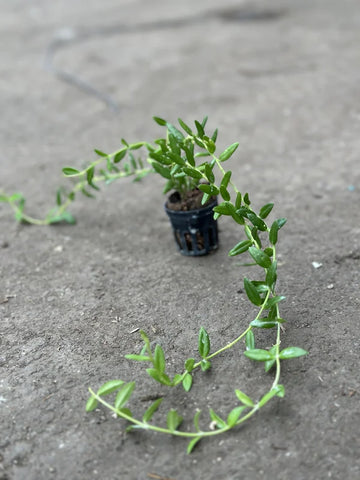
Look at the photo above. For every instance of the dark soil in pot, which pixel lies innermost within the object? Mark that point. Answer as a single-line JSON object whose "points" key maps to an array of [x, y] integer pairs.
{"points": [[191, 201]]}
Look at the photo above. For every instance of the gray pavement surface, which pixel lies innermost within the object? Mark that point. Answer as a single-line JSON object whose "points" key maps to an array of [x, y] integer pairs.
{"points": [[280, 77]]}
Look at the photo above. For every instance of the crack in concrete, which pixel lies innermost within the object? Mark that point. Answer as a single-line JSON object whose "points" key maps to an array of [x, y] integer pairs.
{"points": [[68, 37]]}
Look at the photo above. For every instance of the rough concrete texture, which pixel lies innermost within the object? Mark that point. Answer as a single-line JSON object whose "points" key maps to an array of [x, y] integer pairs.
{"points": [[282, 78]]}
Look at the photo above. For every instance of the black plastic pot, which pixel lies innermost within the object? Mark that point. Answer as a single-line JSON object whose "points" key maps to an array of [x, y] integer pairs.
{"points": [[195, 231]]}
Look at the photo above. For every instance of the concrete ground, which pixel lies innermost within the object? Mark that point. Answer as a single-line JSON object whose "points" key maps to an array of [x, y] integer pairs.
{"points": [[280, 77]]}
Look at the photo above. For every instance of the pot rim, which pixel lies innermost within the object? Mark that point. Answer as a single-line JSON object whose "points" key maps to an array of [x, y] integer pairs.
{"points": [[191, 212]]}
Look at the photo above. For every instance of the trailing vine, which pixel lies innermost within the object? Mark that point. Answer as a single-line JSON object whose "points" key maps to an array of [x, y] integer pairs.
{"points": [[176, 158]]}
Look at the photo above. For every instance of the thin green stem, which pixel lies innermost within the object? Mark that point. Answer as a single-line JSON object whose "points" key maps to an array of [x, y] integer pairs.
{"points": [[148, 426], [278, 366], [237, 339]]}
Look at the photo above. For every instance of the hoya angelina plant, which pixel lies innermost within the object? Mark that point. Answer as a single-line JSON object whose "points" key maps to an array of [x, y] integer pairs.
{"points": [[175, 159], [179, 159]]}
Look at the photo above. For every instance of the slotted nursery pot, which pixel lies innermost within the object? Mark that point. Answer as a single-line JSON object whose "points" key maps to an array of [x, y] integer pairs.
{"points": [[195, 231]]}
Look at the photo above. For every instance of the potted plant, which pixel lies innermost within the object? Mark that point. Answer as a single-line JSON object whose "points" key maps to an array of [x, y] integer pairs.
{"points": [[185, 158], [260, 242], [178, 158]]}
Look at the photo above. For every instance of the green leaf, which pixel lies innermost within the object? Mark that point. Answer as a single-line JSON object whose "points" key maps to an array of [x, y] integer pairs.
{"points": [[192, 172], [124, 394], [214, 135], [160, 121], [109, 387], [173, 420], [185, 126], [163, 171], [271, 275], [159, 376], [227, 153], [58, 197], [281, 222], [125, 411], [192, 444], [250, 340], [280, 391], [263, 323], [234, 415], [205, 365], [209, 173], [189, 364], [174, 145], [70, 172], [220, 423], [240, 248], [259, 355], [187, 382], [204, 343], [209, 144], [136, 146], [257, 222], [274, 300], [207, 188], [175, 169], [260, 257], [269, 364], [138, 358], [243, 398], [205, 198], [200, 129], [189, 155], [151, 410], [252, 293], [175, 132], [238, 200], [100, 153], [226, 179], [222, 208], [292, 352], [159, 359], [265, 210], [247, 199], [273, 234], [204, 122], [91, 404], [260, 286], [224, 193], [275, 227], [199, 142], [120, 155], [90, 174]]}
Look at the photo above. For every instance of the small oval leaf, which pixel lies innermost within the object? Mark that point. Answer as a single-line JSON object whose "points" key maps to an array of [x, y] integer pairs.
{"points": [[259, 355], [292, 352], [109, 387], [187, 382], [243, 398], [151, 410]]}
